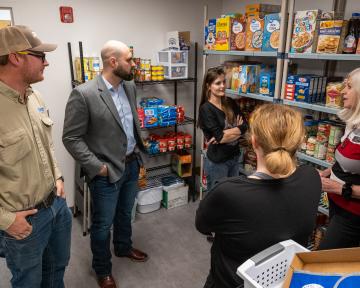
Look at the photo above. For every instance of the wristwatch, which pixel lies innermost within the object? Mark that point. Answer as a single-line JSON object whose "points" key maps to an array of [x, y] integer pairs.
{"points": [[346, 191]]}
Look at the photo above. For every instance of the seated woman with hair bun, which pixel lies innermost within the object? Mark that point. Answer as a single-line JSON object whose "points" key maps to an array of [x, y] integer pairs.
{"points": [[277, 202]]}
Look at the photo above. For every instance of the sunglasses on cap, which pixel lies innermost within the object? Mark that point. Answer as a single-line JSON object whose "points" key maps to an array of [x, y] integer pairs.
{"points": [[42, 56]]}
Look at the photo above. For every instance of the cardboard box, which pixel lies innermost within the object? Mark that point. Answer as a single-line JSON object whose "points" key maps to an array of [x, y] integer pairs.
{"points": [[271, 37], [182, 164], [304, 37], [327, 261], [210, 34], [175, 196], [331, 36], [238, 33], [267, 83], [223, 33], [267, 8], [254, 32], [248, 78], [178, 40], [304, 87]]}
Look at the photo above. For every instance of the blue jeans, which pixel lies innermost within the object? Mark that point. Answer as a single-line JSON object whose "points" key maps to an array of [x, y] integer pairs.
{"points": [[40, 259], [112, 204], [216, 171]]}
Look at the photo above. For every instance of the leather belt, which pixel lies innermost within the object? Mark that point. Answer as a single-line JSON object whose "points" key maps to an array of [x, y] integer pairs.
{"points": [[130, 157], [48, 201]]}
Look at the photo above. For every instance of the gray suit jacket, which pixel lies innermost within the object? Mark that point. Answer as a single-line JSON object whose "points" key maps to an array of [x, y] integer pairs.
{"points": [[93, 133]]}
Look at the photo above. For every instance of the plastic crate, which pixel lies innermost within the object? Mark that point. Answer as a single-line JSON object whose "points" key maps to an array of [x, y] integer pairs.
{"points": [[268, 268], [175, 63]]}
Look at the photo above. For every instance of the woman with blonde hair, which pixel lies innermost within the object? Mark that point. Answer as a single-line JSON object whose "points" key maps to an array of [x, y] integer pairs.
{"points": [[342, 180], [277, 202]]}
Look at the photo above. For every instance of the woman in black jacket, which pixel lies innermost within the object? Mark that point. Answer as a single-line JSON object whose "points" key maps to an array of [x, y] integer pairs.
{"points": [[222, 124]]}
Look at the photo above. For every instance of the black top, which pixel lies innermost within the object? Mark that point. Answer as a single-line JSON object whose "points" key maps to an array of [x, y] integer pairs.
{"points": [[250, 215], [212, 121]]}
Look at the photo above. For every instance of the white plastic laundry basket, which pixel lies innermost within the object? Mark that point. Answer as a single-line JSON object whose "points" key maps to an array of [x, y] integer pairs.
{"points": [[268, 268]]}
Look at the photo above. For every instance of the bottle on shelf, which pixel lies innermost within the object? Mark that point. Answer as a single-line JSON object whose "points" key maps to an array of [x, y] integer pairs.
{"points": [[351, 39]]}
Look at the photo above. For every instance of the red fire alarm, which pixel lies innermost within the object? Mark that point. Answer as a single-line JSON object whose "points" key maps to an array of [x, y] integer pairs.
{"points": [[66, 14]]}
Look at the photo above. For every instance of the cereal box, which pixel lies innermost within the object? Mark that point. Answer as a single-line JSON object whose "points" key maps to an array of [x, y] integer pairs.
{"points": [[210, 34], [271, 32], [248, 78], [254, 32], [223, 33], [304, 37], [268, 8], [331, 36], [237, 33]]}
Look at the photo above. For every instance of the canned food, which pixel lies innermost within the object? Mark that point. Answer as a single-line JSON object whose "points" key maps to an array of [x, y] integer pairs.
{"points": [[158, 68], [320, 150], [335, 134], [154, 78], [147, 75], [145, 64]]}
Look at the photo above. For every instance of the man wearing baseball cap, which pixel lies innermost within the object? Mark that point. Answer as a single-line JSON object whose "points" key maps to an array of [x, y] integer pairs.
{"points": [[35, 222]]}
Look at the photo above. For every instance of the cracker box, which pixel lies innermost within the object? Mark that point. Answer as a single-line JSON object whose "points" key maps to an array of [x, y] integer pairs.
{"points": [[271, 32], [267, 8], [304, 37], [254, 32], [304, 86], [210, 34], [248, 78], [331, 36], [223, 33], [238, 33], [267, 83], [235, 80]]}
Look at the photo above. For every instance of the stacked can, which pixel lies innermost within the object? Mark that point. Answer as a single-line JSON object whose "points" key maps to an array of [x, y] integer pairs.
{"points": [[336, 132], [157, 73], [322, 140]]}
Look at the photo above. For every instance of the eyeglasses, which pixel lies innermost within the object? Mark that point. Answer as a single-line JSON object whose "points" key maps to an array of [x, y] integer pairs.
{"points": [[42, 56]]}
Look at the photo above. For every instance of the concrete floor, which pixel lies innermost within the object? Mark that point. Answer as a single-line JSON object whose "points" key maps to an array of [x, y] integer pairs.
{"points": [[179, 255]]}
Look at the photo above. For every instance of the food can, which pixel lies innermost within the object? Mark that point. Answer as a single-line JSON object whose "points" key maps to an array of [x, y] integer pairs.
{"points": [[336, 133], [320, 150], [147, 75], [310, 146]]}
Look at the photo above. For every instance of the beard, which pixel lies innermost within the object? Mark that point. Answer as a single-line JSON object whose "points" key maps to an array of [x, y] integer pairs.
{"points": [[124, 75]]}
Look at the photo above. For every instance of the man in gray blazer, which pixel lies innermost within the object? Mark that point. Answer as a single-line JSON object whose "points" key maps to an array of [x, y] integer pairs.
{"points": [[102, 133]]}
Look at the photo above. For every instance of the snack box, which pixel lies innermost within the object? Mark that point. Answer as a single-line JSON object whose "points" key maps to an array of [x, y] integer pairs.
{"points": [[326, 262], [271, 32], [267, 8], [237, 33], [267, 83], [331, 36], [290, 87], [248, 78], [235, 80], [151, 117], [304, 37], [304, 86], [223, 33], [210, 34], [254, 32]]}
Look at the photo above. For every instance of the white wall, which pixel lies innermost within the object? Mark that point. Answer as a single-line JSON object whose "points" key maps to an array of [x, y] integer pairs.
{"points": [[140, 23]]}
